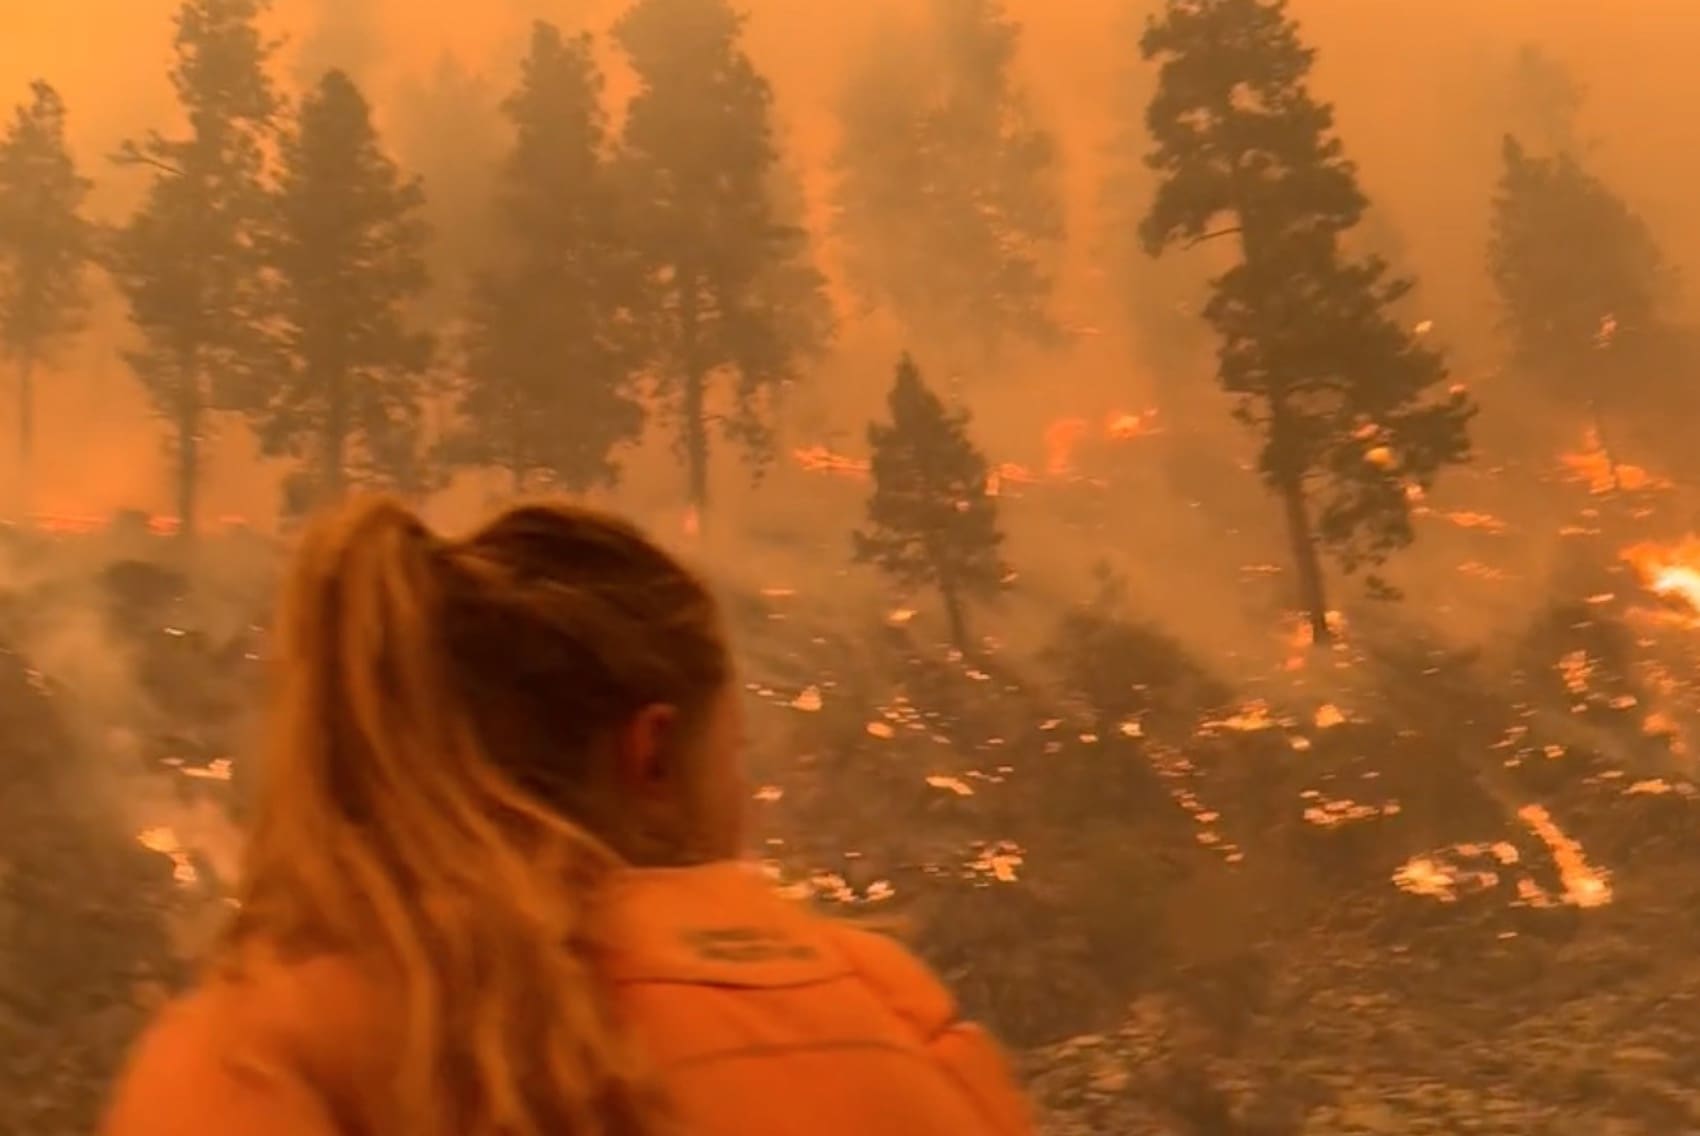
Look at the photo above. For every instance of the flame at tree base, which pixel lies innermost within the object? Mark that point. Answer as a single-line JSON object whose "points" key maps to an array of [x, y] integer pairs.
{"points": [[1672, 571]]}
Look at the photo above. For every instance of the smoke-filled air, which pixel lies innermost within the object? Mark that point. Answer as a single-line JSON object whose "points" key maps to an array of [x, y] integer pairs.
{"points": [[1203, 492]]}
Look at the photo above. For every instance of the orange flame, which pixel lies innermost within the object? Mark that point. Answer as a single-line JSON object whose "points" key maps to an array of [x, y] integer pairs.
{"points": [[1672, 571], [1061, 437], [819, 459], [1594, 467]]}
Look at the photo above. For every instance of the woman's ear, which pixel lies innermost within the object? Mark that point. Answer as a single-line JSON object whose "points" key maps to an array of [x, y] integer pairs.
{"points": [[644, 747]]}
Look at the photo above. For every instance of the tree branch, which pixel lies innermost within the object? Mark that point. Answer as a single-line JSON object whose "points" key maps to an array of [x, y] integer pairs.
{"points": [[1196, 241], [130, 154]]}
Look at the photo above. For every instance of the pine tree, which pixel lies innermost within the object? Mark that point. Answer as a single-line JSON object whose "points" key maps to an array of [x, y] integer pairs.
{"points": [[930, 521], [1581, 281], [350, 259], [551, 351], [45, 248], [1353, 410], [948, 195], [189, 262], [732, 285]]}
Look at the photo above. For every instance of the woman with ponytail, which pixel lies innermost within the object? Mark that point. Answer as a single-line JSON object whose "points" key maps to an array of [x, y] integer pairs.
{"points": [[492, 886]]}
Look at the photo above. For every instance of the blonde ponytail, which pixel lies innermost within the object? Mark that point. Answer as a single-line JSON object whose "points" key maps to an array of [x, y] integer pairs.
{"points": [[430, 800]]}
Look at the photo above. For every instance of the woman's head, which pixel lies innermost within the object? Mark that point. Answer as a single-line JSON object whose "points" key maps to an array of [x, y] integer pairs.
{"points": [[465, 735]]}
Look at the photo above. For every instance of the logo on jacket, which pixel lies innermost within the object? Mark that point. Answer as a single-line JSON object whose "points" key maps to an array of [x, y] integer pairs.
{"points": [[745, 944]]}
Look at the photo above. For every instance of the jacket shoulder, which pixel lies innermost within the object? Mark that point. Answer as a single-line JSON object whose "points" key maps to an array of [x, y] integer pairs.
{"points": [[897, 976]]}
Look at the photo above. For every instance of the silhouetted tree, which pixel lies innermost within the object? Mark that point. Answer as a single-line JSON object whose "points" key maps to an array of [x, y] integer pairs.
{"points": [[350, 258], [729, 280], [931, 521], [948, 193], [189, 262], [45, 247], [1580, 277], [1353, 410], [551, 348]]}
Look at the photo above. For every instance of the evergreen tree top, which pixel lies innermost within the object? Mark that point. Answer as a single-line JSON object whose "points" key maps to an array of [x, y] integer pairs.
{"points": [[557, 74], [684, 37], [924, 428], [218, 72], [698, 134], [930, 515], [349, 218], [1569, 256], [1237, 131], [560, 138], [45, 242]]}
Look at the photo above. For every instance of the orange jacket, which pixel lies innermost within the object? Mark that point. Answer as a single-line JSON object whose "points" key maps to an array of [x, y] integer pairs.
{"points": [[761, 1019]]}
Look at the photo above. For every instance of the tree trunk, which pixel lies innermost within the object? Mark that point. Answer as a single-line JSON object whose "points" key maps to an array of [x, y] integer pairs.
{"points": [[955, 616], [695, 426], [1605, 447], [693, 420], [1312, 595], [188, 446], [26, 436], [516, 454], [332, 475]]}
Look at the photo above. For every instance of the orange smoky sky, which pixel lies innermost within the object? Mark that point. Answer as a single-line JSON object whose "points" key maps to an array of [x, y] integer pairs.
{"points": [[1419, 86]]}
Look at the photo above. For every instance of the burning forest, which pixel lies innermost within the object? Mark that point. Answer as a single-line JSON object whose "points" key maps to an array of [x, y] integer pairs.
{"points": [[1269, 698]]}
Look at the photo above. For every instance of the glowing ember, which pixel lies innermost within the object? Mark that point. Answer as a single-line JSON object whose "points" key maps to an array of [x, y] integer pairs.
{"points": [[953, 784], [1326, 813], [1449, 872], [1584, 885], [165, 842], [999, 861], [1250, 718], [1486, 522], [1122, 427]]}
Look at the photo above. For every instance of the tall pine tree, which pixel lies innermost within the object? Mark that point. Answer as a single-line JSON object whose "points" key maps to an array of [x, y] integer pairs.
{"points": [[1353, 411], [189, 262], [948, 190], [731, 285], [931, 521], [551, 350], [45, 247], [1581, 282], [350, 260]]}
